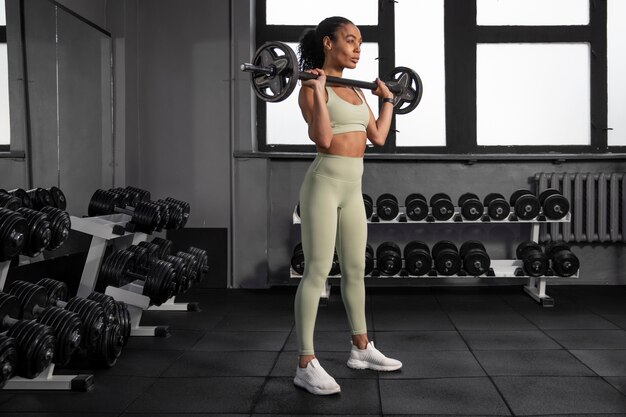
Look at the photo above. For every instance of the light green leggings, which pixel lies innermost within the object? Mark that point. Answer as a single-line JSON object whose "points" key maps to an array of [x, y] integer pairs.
{"points": [[332, 215]]}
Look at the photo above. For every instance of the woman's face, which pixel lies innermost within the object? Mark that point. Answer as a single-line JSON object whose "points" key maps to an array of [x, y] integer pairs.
{"points": [[345, 50]]}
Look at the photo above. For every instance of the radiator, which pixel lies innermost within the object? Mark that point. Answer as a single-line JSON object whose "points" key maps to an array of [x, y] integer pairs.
{"points": [[597, 205]]}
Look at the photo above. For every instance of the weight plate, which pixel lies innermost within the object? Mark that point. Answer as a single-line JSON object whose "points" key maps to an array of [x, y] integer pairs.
{"points": [[417, 258], [471, 207], [555, 207], [470, 245], [389, 258], [547, 193], [387, 206], [416, 207], [410, 86], [369, 206], [441, 245], [517, 194], [524, 247], [526, 207], [369, 259], [281, 83], [553, 247]]}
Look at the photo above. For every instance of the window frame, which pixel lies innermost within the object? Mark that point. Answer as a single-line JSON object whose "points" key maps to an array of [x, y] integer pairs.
{"points": [[462, 34]]}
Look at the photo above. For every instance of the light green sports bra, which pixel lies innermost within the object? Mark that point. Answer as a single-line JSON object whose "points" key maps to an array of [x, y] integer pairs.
{"points": [[346, 117]]}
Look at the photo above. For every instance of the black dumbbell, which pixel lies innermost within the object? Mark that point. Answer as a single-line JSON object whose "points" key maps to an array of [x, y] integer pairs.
{"points": [[335, 268], [441, 206], [416, 207], [446, 258], [369, 206], [39, 236], [145, 216], [497, 207], [203, 261], [476, 261], [297, 259], [564, 262], [22, 195], [34, 341], [13, 233], [388, 258], [525, 204], [417, 258], [369, 259], [66, 324], [42, 197], [534, 260], [471, 206], [555, 205], [9, 201], [91, 312], [119, 269], [60, 226], [387, 206], [8, 358]]}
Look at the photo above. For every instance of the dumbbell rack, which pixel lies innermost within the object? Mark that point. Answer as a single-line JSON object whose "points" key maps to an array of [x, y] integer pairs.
{"points": [[506, 268], [104, 229], [46, 380]]}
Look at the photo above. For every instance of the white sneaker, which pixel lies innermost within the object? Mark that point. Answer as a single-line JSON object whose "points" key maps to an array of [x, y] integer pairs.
{"points": [[371, 358], [315, 379]]}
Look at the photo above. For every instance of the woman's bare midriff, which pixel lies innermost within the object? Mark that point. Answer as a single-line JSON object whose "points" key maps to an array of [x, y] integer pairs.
{"points": [[347, 144]]}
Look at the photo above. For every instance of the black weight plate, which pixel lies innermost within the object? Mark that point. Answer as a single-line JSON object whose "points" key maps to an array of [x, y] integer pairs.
{"points": [[279, 85], [13, 233], [411, 89], [469, 245], [9, 306], [416, 207], [8, 358], [417, 258], [565, 263], [526, 207], [22, 195], [389, 258], [387, 206], [555, 207], [58, 198], [442, 207], [498, 209], [524, 247], [517, 194], [555, 246], [471, 207], [441, 245], [547, 193], [369, 259], [447, 262]]}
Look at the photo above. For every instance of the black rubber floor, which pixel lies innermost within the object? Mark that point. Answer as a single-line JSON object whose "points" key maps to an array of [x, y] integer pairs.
{"points": [[485, 351]]}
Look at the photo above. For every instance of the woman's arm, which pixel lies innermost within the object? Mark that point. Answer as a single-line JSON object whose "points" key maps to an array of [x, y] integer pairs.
{"points": [[378, 129], [312, 101]]}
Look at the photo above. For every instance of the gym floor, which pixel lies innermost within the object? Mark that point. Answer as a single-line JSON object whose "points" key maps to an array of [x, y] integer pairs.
{"points": [[466, 351]]}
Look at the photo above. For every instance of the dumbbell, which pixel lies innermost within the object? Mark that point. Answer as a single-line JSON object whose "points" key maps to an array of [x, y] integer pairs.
{"points": [[146, 216], [13, 233], [555, 205], [297, 259], [8, 358], [476, 261], [9, 201], [387, 206], [106, 322], [41, 197], [471, 206], [66, 324], [497, 207], [34, 342], [389, 258], [39, 234], [203, 261], [525, 204], [441, 206], [564, 262], [175, 213], [446, 258], [189, 267], [416, 207], [119, 269], [369, 259], [417, 258], [369, 206], [534, 260], [60, 226]]}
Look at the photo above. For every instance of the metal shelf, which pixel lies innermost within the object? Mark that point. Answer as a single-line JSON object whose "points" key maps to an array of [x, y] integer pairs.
{"points": [[457, 218]]}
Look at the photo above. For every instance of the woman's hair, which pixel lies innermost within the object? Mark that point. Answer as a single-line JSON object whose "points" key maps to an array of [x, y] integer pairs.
{"points": [[311, 49]]}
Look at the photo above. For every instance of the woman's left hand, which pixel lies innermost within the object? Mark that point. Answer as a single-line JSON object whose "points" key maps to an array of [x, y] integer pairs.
{"points": [[382, 90]]}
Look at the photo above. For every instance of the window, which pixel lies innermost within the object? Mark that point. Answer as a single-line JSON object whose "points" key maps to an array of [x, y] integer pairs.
{"points": [[5, 127], [499, 76]]}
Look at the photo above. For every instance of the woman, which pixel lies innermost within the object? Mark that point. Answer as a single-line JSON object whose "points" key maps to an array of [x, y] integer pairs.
{"points": [[331, 201]]}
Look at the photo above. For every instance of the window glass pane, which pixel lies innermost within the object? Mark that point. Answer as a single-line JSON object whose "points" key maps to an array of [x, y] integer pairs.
{"points": [[285, 124], [289, 12], [616, 30], [420, 46], [5, 131], [3, 15], [532, 12], [533, 94]]}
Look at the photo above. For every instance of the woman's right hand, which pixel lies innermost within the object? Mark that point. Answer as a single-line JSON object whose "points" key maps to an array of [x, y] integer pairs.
{"points": [[319, 81]]}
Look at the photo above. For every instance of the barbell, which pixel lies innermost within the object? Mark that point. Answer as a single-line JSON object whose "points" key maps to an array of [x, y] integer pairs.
{"points": [[275, 75]]}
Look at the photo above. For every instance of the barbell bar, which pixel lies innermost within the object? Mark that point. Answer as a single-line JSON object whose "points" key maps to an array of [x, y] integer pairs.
{"points": [[275, 73]]}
